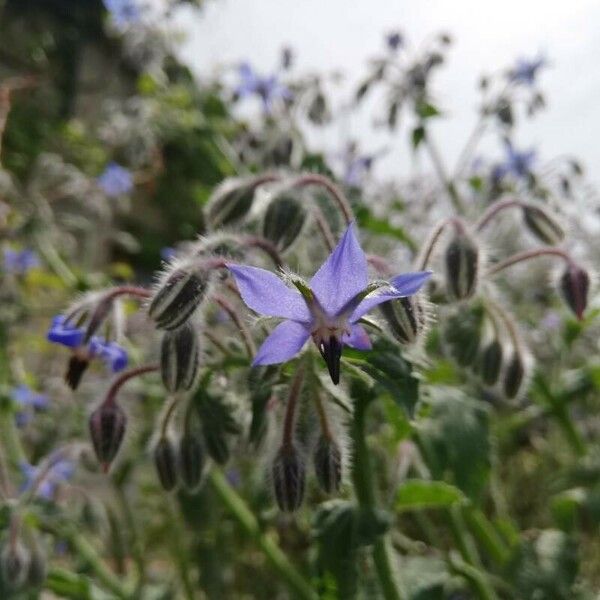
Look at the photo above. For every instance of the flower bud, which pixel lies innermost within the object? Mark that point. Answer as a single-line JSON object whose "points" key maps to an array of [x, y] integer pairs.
{"points": [[14, 562], [107, 428], [284, 220], [180, 358], [191, 460], [542, 225], [177, 298], [165, 461], [463, 335], [514, 376], [462, 266], [491, 362], [38, 566], [77, 366], [574, 286], [288, 478], [328, 464], [230, 202], [217, 446], [406, 318]]}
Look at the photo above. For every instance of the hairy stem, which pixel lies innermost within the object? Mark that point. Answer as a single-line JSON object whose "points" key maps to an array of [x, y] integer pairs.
{"points": [[235, 317], [290, 409], [334, 191], [528, 255], [124, 378]]}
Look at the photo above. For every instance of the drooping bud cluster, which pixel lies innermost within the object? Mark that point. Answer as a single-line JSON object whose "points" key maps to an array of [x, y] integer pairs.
{"points": [[491, 362], [178, 294], [165, 461], [231, 201], [289, 474], [462, 265], [514, 375], [328, 464], [15, 561], [284, 220], [574, 287], [406, 317], [180, 358], [107, 428], [542, 224], [179, 462]]}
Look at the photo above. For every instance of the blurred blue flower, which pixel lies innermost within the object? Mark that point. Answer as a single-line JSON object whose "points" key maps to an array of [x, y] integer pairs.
{"points": [[19, 262], [517, 163], [113, 355], [60, 470], [63, 333], [123, 12], [167, 253], [525, 70], [357, 168], [329, 308], [394, 40], [115, 180], [26, 399], [268, 89]]}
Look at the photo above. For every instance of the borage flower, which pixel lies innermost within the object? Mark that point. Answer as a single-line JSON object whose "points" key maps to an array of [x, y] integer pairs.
{"points": [[268, 89], [525, 70], [19, 262], [45, 479], [328, 308], [26, 400], [115, 180]]}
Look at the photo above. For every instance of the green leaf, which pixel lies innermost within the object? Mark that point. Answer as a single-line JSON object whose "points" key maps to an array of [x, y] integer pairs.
{"points": [[366, 220], [68, 585], [417, 494], [427, 111], [418, 135]]}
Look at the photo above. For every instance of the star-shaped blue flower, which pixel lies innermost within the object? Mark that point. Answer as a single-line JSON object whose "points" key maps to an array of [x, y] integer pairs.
{"points": [[327, 309], [268, 89], [518, 163], [19, 262], [26, 400], [61, 470], [525, 70], [115, 181]]}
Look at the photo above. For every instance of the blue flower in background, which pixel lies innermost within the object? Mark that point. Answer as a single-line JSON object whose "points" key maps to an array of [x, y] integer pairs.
{"points": [[63, 333], [19, 262], [60, 470], [113, 355], [394, 40], [525, 71], [517, 163], [328, 308], [27, 400], [115, 180], [357, 168], [268, 89], [123, 12], [167, 253]]}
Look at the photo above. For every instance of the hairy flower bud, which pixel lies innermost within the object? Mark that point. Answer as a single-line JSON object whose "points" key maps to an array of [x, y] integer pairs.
{"points": [[107, 429], [542, 225], [230, 202], [288, 473], [191, 460], [38, 566], [180, 358], [514, 375], [284, 220], [178, 297], [574, 286], [463, 335], [462, 266], [406, 318], [491, 362], [14, 562], [165, 461], [328, 464]]}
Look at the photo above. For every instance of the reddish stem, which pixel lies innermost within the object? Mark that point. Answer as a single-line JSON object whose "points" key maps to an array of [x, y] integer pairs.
{"points": [[128, 290], [497, 207], [124, 378], [266, 246], [290, 409], [435, 237], [235, 317], [528, 255], [334, 191]]}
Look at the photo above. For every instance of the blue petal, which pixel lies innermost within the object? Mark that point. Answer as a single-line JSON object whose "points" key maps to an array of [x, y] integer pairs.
{"points": [[265, 293], [358, 338], [342, 275], [285, 341], [67, 335]]}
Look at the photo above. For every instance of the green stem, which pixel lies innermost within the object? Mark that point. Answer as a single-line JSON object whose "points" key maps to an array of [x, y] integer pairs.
{"points": [[362, 475], [9, 436], [278, 560]]}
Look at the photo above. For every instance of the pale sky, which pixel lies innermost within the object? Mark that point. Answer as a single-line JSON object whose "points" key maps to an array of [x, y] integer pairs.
{"points": [[341, 34]]}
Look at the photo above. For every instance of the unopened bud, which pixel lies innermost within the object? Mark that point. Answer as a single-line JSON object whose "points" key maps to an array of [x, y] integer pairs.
{"points": [[283, 221], [328, 464], [180, 358], [77, 366], [514, 376], [191, 460], [462, 266], [542, 225], [165, 461], [463, 335], [177, 298], [217, 445], [406, 318], [574, 286], [14, 561], [230, 202], [491, 362], [288, 473], [107, 429], [38, 566]]}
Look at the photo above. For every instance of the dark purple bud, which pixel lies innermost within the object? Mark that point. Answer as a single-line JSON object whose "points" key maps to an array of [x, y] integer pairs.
{"points": [[543, 225], [230, 202], [284, 220], [38, 566], [191, 460], [328, 464], [107, 429], [177, 298], [331, 351], [165, 461], [288, 473], [462, 266], [574, 286], [491, 362], [514, 376], [180, 358], [14, 563], [75, 370], [406, 318]]}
